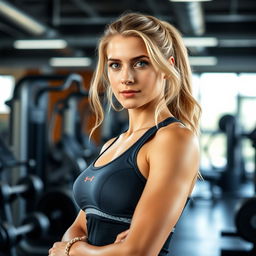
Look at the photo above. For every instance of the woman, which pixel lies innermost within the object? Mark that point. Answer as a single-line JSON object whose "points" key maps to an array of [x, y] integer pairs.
{"points": [[133, 194]]}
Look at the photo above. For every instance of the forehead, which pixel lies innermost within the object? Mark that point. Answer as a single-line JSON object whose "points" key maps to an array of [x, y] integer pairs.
{"points": [[125, 47]]}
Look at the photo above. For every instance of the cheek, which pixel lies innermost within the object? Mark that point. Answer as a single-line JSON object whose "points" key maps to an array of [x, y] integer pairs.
{"points": [[113, 83], [113, 78], [153, 82]]}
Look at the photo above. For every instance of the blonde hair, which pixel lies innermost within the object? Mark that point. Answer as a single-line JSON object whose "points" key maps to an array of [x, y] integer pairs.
{"points": [[162, 41]]}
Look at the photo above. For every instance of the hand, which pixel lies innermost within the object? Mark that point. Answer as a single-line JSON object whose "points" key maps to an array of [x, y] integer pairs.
{"points": [[121, 237], [58, 249]]}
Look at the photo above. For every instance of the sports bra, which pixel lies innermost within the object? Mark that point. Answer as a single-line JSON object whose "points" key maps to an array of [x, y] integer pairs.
{"points": [[110, 193]]}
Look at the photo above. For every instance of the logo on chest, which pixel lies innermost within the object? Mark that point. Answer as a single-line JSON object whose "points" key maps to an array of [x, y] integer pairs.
{"points": [[87, 178]]}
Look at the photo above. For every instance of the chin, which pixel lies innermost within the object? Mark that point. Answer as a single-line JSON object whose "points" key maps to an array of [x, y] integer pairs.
{"points": [[125, 104], [130, 106]]}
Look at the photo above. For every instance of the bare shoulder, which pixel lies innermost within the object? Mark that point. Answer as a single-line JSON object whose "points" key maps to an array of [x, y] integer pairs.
{"points": [[176, 134], [177, 143]]}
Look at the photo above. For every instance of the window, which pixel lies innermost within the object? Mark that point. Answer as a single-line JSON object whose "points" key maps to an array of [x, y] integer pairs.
{"points": [[220, 94], [6, 90]]}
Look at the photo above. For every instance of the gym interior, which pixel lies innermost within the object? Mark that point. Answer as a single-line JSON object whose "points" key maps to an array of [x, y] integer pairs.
{"points": [[47, 59]]}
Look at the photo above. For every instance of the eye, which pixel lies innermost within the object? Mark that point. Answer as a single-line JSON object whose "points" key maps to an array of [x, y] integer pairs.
{"points": [[114, 65], [141, 64]]}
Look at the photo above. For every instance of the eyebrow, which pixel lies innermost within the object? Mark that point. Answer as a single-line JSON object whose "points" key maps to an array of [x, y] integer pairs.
{"points": [[133, 59]]}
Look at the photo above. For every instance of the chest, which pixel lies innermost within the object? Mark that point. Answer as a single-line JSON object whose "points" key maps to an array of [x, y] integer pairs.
{"points": [[114, 188], [120, 148]]}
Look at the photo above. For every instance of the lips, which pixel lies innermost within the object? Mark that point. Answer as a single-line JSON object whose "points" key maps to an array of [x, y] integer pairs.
{"points": [[129, 91]]}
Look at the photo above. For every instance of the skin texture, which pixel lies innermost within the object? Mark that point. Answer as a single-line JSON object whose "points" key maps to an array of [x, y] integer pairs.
{"points": [[169, 161], [138, 72]]}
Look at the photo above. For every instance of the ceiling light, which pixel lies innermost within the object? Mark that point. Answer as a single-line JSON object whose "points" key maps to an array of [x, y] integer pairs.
{"points": [[21, 19], [248, 42], [203, 61], [40, 44], [190, 0], [200, 41], [70, 62]]}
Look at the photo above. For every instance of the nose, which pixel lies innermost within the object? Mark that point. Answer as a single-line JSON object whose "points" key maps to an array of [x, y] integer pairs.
{"points": [[127, 77]]}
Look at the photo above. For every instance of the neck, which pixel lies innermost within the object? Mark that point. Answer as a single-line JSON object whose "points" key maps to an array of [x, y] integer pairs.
{"points": [[143, 120], [140, 129]]}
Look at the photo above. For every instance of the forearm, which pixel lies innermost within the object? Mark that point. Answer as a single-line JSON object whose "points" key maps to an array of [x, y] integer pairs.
{"points": [[73, 231], [116, 249]]}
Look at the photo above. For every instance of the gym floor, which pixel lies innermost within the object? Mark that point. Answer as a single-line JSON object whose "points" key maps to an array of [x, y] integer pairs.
{"points": [[198, 232]]}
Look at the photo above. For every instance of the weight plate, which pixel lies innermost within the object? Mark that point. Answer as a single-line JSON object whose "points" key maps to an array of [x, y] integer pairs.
{"points": [[58, 205], [245, 220]]}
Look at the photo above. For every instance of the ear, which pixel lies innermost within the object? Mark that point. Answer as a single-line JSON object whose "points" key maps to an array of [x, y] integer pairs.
{"points": [[171, 60]]}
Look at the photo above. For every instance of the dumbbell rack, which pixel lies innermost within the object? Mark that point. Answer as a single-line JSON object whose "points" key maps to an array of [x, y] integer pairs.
{"points": [[245, 218], [29, 188], [28, 144]]}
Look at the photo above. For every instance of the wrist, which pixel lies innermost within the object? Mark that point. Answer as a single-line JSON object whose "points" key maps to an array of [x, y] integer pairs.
{"points": [[72, 242]]}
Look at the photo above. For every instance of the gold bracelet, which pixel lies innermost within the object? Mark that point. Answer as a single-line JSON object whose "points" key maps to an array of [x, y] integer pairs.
{"points": [[72, 241]]}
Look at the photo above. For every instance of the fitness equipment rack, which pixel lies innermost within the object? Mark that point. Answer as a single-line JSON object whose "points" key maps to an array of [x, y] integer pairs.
{"points": [[245, 216]]}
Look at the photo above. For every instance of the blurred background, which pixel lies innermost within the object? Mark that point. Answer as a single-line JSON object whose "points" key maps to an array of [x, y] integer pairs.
{"points": [[47, 58]]}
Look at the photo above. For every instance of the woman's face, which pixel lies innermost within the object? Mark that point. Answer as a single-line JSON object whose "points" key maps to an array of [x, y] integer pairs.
{"points": [[133, 79]]}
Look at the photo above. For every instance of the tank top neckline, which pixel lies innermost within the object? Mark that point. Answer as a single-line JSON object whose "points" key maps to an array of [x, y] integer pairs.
{"points": [[129, 148]]}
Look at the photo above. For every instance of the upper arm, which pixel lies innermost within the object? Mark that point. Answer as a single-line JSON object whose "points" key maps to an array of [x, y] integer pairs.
{"points": [[77, 228], [173, 165], [80, 221]]}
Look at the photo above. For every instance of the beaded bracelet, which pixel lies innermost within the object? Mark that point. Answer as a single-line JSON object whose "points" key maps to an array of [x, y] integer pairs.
{"points": [[72, 241]]}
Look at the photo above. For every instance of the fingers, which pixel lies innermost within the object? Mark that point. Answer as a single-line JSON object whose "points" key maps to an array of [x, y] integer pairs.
{"points": [[51, 250], [58, 248], [121, 237]]}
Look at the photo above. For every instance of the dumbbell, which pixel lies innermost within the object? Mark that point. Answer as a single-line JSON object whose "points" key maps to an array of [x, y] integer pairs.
{"points": [[7, 159], [34, 226], [27, 187]]}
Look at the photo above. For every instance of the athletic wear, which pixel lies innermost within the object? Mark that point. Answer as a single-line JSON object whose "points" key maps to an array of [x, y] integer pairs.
{"points": [[109, 193]]}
